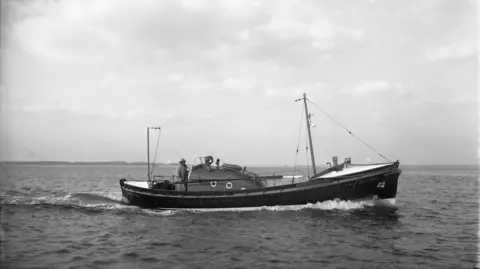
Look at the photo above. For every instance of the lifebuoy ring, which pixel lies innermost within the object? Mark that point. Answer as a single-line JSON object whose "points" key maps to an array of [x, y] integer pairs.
{"points": [[213, 184], [229, 185], [209, 160]]}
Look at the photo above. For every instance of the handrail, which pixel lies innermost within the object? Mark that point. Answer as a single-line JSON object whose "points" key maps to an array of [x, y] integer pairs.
{"points": [[213, 179]]}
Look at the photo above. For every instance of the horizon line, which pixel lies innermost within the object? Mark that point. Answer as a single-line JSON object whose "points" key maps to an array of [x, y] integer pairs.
{"points": [[119, 162]]}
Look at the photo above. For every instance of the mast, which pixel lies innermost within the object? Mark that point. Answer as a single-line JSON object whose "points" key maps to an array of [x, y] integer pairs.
{"points": [[148, 153], [309, 135]]}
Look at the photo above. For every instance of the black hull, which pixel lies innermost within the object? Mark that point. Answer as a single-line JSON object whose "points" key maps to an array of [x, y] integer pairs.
{"points": [[380, 183]]}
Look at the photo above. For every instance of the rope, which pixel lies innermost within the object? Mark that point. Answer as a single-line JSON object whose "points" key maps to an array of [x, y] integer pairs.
{"points": [[298, 144], [348, 131], [306, 152], [156, 150]]}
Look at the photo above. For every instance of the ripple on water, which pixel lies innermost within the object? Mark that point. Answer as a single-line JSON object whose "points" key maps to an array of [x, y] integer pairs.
{"points": [[149, 259], [78, 258], [433, 226], [130, 255], [161, 244]]}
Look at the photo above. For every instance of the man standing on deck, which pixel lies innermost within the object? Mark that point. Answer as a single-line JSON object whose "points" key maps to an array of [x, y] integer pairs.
{"points": [[182, 173]]}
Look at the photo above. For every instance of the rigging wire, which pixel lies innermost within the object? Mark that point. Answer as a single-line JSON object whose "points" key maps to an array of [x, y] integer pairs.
{"points": [[298, 144], [315, 105], [306, 149], [156, 150]]}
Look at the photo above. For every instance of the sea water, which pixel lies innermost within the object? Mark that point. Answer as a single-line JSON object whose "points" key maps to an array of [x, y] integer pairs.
{"points": [[75, 217]]}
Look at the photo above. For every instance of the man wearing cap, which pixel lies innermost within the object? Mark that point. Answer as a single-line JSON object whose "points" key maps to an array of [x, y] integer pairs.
{"points": [[182, 173]]}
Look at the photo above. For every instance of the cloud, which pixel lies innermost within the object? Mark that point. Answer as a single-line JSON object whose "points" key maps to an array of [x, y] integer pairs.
{"points": [[297, 36], [370, 87], [456, 50], [236, 84], [125, 114], [80, 28], [380, 100], [270, 92], [464, 100], [212, 68], [180, 37]]}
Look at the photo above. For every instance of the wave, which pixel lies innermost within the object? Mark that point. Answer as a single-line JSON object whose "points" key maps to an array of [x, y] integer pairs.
{"points": [[98, 197], [327, 205], [56, 199], [114, 201], [93, 201]]}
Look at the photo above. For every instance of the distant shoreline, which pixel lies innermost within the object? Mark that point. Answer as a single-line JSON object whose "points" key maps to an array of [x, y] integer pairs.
{"points": [[120, 163], [110, 163], [80, 163]]}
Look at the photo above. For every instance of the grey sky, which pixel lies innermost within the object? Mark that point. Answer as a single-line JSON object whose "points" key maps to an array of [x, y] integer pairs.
{"points": [[81, 79]]}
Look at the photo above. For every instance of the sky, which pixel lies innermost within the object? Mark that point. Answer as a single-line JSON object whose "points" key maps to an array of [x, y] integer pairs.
{"points": [[82, 79]]}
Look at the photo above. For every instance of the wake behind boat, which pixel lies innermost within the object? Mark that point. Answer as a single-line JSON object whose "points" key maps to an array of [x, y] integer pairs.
{"points": [[229, 185]]}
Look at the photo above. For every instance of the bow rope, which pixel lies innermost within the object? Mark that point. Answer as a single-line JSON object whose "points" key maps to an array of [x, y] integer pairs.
{"points": [[348, 131]]}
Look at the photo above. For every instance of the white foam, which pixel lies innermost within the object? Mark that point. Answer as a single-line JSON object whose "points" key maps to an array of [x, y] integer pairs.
{"points": [[385, 203], [327, 205], [125, 207], [55, 200], [117, 196], [130, 209], [67, 201], [49, 200]]}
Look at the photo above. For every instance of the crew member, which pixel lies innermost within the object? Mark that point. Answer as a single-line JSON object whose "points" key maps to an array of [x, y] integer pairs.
{"points": [[217, 162], [182, 173]]}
